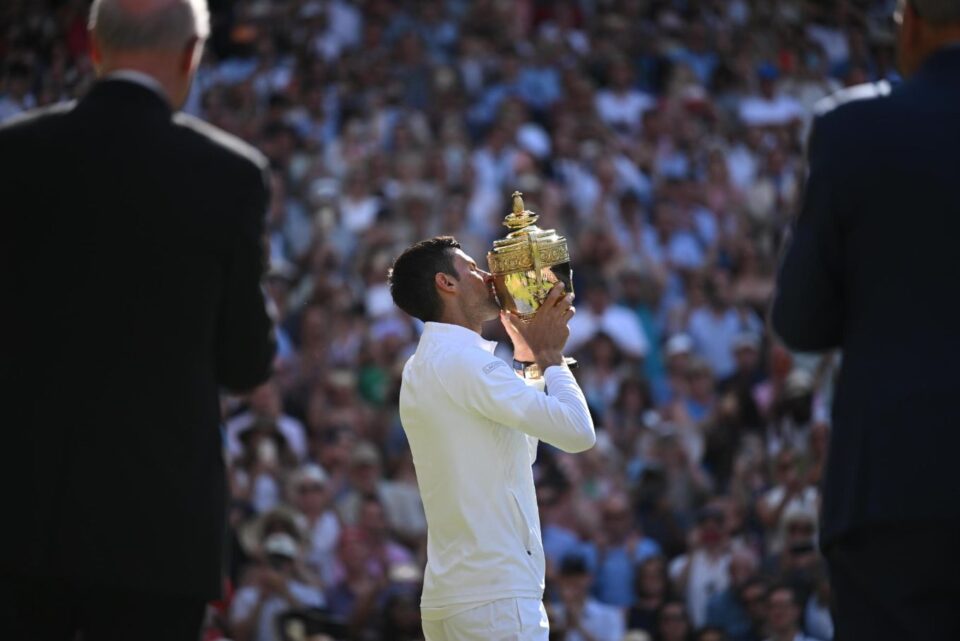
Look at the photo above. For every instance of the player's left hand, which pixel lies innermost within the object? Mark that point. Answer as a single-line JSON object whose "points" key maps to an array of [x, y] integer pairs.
{"points": [[521, 349]]}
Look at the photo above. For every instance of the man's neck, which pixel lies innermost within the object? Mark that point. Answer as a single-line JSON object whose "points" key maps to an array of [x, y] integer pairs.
{"points": [[141, 78], [458, 319], [159, 65]]}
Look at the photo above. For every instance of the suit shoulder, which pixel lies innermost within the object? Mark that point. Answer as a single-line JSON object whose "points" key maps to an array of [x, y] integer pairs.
{"points": [[36, 118], [228, 143], [852, 98]]}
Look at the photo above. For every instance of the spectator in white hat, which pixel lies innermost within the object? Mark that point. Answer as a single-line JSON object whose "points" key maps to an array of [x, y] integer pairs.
{"points": [[791, 493], [271, 588], [310, 494]]}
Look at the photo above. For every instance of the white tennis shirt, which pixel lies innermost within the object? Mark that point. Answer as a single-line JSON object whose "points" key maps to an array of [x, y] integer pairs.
{"points": [[473, 426]]}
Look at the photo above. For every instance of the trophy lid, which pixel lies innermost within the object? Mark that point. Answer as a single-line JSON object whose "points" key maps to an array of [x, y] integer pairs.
{"points": [[519, 218], [526, 245]]}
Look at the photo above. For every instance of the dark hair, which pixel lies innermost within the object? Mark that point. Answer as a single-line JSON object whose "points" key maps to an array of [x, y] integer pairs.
{"points": [[638, 569], [573, 565], [371, 499], [412, 276], [702, 632], [753, 581], [670, 603], [631, 382]]}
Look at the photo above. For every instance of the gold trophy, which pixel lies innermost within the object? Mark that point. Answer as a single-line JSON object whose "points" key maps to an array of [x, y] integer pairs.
{"points": [[526, 264]]}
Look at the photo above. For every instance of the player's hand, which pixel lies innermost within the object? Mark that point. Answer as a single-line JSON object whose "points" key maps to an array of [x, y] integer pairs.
{"points": [[546, 334], [521, 349]]}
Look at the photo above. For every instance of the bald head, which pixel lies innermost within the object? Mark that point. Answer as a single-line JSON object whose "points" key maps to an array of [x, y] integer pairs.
{"points": [[160, 38], [925, 26], [141, 25]]}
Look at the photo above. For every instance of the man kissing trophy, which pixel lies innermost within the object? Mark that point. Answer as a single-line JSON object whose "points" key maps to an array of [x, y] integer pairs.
{"points": [[474, 423]]}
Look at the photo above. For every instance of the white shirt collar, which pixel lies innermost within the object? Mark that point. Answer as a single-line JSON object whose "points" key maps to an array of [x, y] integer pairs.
{"points": [[140, 78], [447, 332]]}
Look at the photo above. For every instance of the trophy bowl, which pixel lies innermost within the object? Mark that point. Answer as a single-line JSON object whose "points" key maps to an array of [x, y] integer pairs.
{"points": [[528, 262]]}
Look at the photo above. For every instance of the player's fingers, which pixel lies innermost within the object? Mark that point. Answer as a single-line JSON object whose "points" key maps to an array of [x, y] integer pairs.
{"points": [[513, 322], [557, 311], [556, 292]]}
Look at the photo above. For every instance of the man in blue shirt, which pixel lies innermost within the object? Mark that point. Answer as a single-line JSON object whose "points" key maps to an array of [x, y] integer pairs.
{"points": [[614, 553]]}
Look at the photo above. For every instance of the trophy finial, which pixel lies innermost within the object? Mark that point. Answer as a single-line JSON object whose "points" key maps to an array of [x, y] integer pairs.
{"points": [[519, 217], [517, 203]]}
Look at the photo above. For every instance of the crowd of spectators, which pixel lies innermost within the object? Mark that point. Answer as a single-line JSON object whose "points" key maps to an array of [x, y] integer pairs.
{"points": [[664, 138]]}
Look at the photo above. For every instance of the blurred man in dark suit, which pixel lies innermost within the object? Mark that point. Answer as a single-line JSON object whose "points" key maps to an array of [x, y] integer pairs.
{"points": [[130, 264], [872, 268]]}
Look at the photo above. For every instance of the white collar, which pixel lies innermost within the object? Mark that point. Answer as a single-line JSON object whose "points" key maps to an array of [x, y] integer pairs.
{"points": [[140, 78], [447, 332]]}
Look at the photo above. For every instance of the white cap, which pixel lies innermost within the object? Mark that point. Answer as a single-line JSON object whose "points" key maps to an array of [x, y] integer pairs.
{"points": [[310, 472], [679, 344], [796, 512], [280, 544], [798, 383]]}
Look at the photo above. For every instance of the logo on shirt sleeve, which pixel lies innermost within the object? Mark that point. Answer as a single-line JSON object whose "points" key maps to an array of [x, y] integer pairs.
{"points": [[492, 366]]}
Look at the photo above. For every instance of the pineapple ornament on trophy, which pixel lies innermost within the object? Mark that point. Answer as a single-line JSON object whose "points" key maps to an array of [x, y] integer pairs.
{"points": [[526, 264]]}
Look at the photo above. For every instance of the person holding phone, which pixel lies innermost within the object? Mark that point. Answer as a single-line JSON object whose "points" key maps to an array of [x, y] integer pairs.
{"points": [[273, 586]]}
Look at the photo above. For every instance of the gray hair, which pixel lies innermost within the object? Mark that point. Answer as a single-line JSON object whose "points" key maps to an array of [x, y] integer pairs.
{"points": [[938, 11], [127, 25]]}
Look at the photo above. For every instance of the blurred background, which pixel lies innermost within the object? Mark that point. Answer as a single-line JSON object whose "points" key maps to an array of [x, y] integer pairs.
{"points": [[665, 139]]}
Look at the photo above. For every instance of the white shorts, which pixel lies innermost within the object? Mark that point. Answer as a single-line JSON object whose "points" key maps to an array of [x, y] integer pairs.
{"points": [[501, 620]]}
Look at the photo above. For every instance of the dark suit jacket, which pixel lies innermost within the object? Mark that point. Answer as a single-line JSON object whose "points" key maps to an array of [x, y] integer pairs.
{"points": [[873, 268], [131, 253]]}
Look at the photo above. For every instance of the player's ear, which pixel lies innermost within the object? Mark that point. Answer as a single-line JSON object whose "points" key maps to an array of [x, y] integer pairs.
{"points": [[445, 282]]}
